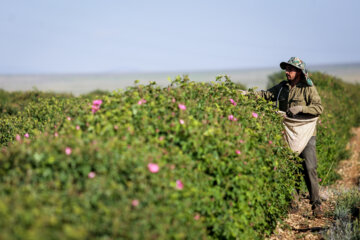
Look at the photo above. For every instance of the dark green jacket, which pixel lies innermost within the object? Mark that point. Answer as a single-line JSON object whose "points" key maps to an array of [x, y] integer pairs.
{"points": [[301, 94]]}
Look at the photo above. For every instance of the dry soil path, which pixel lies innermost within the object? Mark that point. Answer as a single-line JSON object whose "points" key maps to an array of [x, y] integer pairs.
{"points": [[302, 225]]}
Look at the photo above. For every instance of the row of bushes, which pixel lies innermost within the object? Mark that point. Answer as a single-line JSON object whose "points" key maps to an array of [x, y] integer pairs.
{"points": [[167, 163], [32, 111], [192, 160]]}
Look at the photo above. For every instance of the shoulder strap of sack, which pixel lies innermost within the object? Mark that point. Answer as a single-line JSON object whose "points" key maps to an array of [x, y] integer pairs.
{"points": [[277, 99]]}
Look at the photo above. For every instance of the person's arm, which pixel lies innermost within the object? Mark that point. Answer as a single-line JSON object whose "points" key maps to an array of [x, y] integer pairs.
{"points": [[271, 93], [313, 102]]}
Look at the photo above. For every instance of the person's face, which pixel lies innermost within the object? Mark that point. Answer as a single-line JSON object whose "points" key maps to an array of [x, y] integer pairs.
{"points": [[292, 73]]}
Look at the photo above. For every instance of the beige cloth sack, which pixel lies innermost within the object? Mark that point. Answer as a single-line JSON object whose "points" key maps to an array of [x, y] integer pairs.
{"points": [[298, 131]]}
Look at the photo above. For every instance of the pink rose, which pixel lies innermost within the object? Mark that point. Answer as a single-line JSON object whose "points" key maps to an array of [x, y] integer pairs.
{"points": [[179, 185], [153, 167], [68, 150], [135, 203], [181, 121], [270, 142], [238, 152], [232, 102], [26, 135], [231, 117], [141, 101], [254, 114], [97, 102], [182, 106], [18, 138], [91, 174]]}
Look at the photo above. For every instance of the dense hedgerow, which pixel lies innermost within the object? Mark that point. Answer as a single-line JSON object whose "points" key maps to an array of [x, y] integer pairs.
{"points": [[341, 113], [32, 111], [12, 103], [192, 160]]}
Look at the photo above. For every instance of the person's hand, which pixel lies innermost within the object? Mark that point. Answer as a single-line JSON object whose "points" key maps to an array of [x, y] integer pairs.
{"points": [[294, 110], [243, 92]]}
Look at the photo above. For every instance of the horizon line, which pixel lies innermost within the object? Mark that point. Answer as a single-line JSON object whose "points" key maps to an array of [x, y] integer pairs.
{"points": [[114, 72]]}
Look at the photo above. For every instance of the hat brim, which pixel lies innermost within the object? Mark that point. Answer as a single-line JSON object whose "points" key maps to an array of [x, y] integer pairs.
{"points": [[284, 64]]}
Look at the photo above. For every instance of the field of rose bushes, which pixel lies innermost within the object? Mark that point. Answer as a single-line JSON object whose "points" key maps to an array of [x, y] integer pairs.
{"points": [[187, 161]]}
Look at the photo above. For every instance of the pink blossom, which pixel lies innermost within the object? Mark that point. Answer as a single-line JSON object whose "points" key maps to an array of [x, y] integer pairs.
{"points": [[238, 151], [91, 174], [116, 127], [56, 134], [270, 142], [320, 179], [231, 117], [161, 138], [18, 138], [275, 168], [26, 135], [232, 102], [141, 101], [77, 127], [179, 185], [181, 121], [153, 167], [254, 114], [68, 150], [173, 114], [96, 105], [197, 217], [95, 108], [68, 118], [173, 100], [182, 106], [235, 119], [97, 102], [172, 166], [241, 141], [135, 203]]}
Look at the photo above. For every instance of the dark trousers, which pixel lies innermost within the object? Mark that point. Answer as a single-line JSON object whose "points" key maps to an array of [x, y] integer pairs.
{"points": [[309, 170]]}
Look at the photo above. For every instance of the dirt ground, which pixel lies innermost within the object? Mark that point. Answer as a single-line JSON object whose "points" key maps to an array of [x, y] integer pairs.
{"points": [[302, 225]]}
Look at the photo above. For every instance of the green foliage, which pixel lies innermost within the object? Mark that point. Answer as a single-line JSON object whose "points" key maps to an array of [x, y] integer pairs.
{"points": [[346, 215], [341, 113], [217, 178], [37, 115], [12, 103], [237, 176]]}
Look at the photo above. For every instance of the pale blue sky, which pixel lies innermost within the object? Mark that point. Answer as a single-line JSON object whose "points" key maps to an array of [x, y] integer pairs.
{"points": [[69, 36]]}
